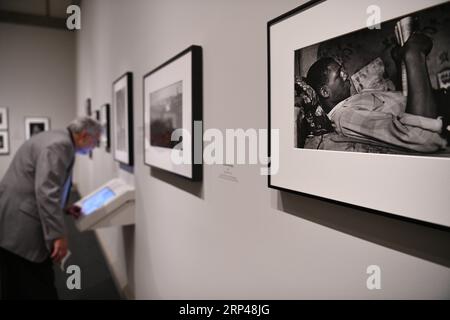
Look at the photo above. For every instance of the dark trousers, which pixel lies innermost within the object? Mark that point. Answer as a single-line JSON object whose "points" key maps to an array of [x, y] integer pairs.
{"points": [[25, 280]]}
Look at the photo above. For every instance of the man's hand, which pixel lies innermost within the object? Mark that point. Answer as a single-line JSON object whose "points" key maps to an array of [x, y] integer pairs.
{"points": [[74, 211], [59, 249], [418, 43]]}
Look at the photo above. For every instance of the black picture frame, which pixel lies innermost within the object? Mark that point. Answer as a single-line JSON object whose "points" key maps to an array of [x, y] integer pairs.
{"points": [[186, 114], [400, 205], [88, 107], [106, 125], [122, 119]]}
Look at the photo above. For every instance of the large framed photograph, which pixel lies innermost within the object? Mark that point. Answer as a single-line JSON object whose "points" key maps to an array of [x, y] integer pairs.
{"points": [[172, 109], [4, 143], [362, 107], [105, 123], [3, 118], [35, 125], [122, 112]]}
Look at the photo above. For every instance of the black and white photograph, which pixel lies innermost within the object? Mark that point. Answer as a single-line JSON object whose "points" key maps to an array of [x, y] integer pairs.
{"points": [[3, 118], [378, 91], [123, 119], [368, 117], [166, 115], [172, 105], [104, 121], [36, 125], [120, 124], [4, 143]]}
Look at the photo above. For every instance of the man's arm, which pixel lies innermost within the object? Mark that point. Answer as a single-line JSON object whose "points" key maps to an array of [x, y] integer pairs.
{"points": [[50, 174], [386, 128], [420, 99]]}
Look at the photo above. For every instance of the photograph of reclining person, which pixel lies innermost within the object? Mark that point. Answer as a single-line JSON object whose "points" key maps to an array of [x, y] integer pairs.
{"points": [[378, 90]]}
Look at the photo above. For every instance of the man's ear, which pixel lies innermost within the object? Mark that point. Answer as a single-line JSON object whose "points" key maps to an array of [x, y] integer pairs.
{"points": [[324, 92]]}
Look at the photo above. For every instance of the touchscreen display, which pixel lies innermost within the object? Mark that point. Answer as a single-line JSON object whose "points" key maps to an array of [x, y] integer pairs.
{"points": [[97, 200]]}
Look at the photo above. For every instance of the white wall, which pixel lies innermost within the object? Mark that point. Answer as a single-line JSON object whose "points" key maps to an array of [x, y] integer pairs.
{"points": [[230, 240], [37, 78]]}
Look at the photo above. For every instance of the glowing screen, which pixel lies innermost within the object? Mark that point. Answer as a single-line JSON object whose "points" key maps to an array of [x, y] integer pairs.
{"points": [[97, 200]]}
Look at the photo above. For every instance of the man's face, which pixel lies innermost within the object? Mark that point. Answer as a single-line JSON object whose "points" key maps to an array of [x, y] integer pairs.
{"points": [[88, 143], [338, 83]]}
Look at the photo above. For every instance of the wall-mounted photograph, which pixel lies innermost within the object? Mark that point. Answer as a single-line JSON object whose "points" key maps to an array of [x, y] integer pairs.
{"points": [[4, 143], [166, 115], [123, 118], [104, 121], [88, 107], [3, 118], [172, 103], [36, 125], [368, 117]]}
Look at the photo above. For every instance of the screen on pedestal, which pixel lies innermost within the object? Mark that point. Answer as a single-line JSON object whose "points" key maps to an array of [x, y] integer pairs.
{"points": [[97, 200]]}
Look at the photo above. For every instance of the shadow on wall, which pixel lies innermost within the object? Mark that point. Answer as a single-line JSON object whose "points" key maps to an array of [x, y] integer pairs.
{"points": [[127, 168], [418, 240], [193, 187], [128, 241]]}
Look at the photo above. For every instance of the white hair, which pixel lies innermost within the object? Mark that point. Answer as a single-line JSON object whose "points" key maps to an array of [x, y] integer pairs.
{"points": [[92, 127]]}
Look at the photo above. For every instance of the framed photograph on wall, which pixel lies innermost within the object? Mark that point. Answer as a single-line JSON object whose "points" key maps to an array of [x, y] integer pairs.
{"points": [[3, 118], [35, 125], [4, 143], [172, 111], [122, 111], [360, 107], [104, 121], [88, 107]]}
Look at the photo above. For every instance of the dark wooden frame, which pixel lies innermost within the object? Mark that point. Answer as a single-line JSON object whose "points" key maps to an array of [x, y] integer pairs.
{"points": [[196, 103], [129, 76], [107, 108]]}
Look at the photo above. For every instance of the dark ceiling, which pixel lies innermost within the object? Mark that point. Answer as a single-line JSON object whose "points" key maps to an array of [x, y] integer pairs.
{"points": [[44, 13]]}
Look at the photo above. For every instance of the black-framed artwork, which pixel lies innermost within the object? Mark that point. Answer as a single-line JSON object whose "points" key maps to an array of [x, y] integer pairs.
{"points": [[341, 103], [105, 123], [97, 117], [122, 116], [35, 125], [3, 118], [172, 112], [88, 107], [4, 143]]}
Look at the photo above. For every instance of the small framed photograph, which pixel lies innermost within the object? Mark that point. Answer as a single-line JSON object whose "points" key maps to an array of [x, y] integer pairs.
{"points": [[88, 107], [36, 125], [361, 107], [122, 115], [104, 121], [4, 143], [172, 109], [3, 118]]}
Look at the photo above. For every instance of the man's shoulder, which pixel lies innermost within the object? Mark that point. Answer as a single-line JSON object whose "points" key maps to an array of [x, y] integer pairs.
{"points": [[55, 140], [371, 98]]}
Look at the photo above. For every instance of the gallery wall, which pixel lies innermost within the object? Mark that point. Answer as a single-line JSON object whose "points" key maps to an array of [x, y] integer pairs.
{"points": [[230, 236], [37, 68]]}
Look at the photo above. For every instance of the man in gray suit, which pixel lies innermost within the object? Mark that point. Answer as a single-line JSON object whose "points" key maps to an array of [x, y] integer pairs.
{"points": [[32, 194]]}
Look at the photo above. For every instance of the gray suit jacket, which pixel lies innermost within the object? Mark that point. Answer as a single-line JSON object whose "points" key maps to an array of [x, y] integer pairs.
{"points": [[32, 194]]}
